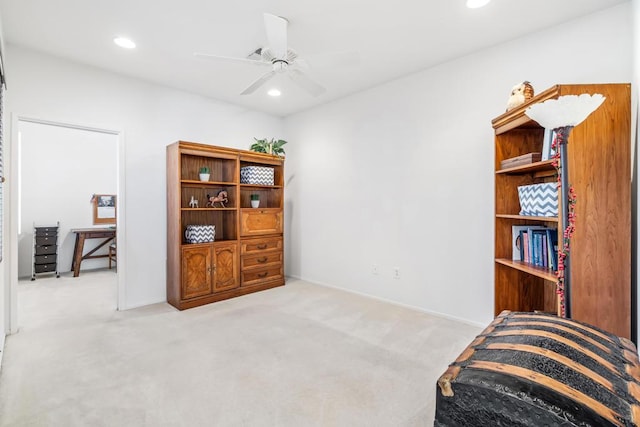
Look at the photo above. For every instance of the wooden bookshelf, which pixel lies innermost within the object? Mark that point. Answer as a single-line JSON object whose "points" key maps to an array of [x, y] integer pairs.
{"points": [[600, 171], [247, 254]]}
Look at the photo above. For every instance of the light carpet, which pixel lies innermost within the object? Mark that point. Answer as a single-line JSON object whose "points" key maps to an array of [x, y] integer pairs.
{"points": [[298, 355]]}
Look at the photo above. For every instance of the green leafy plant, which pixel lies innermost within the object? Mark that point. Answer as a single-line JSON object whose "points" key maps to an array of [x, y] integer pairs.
{"points": [[269, 146], [255, 197], [204, 169]]}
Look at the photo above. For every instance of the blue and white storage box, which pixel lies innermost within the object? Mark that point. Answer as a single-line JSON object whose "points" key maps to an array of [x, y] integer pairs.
{"points": [[539, 199], [259, 175], [200, 233]]}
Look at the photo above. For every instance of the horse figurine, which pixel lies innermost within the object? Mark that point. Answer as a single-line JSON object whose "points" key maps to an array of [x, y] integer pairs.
{"points": [[221, 198]]}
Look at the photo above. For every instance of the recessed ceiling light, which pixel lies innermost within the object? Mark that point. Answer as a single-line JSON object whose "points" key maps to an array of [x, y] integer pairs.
{"points": [[124, 42], [274, 92], [474, 4]]}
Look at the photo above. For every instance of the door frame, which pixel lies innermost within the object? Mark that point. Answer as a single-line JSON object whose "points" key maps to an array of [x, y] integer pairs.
{"points": [[11, 240]]}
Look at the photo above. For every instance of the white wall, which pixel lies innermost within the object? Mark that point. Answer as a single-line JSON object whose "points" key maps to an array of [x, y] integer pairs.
{"points": [[402, 176], [60, 169], [151, 117], [4, 288]]}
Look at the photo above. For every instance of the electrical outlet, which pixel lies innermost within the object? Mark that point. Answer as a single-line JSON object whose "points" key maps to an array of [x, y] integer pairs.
{"points": [[374, 269], [396, 272]]}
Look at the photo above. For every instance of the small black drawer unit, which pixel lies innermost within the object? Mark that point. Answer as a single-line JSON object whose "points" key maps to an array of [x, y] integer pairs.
{"points": [[45, 250]]}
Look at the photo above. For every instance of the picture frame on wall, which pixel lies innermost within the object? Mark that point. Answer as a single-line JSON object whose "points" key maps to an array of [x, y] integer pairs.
{"points": [[104, 208]]}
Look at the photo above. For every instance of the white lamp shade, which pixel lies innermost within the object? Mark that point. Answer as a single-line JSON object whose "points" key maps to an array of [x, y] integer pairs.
{"points": [[568, 110]]}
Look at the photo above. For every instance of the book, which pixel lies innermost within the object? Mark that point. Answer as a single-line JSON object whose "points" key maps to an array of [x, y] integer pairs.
{"points": [[517, 251], [538, 251], [552, 242], [525, 245]]}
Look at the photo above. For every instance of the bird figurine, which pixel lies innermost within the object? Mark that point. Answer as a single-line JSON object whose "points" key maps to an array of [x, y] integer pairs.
{"points": [[520, 94]]}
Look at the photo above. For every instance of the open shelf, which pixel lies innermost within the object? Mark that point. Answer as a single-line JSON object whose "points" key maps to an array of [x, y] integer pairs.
{"points": [[260, 186], [197, 182], [541, 272], [193, 245], [528, 218], [208, 209], [546, 165]]}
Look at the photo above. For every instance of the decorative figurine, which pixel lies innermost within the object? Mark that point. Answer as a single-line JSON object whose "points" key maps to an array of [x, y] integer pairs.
{"points": [[221, 197], [520, 94], [193, 203]]}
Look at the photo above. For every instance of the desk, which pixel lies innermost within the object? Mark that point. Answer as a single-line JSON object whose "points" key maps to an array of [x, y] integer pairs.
{"points": [[83, 234]]}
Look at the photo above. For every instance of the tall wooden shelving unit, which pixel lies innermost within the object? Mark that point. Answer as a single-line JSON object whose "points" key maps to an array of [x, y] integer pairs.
{"points": [[600, 171], [247, 254]]}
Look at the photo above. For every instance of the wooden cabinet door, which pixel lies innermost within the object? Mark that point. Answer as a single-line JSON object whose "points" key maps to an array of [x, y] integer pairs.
{"points": [[225, 267], [196, 271], [260, 221]]}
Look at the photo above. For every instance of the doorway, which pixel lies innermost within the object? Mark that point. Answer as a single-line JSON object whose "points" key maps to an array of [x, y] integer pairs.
{"points": [[58, 167]]}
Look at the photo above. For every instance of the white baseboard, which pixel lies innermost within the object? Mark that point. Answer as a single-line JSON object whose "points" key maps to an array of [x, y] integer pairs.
{"points": [[411, 307]]}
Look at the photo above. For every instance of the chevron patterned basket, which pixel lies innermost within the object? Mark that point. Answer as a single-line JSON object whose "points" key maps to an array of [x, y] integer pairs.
{"points": [[539, 199], [200, 233], [259, 175]]}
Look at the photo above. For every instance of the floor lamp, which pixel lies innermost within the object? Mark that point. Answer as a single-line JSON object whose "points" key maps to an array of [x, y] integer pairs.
{"points": [[562, 115]]}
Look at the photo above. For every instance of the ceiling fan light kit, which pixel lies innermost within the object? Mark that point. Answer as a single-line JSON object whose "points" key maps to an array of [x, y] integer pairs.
{"points": [[475, 4], [124, 42], [278, 55]]}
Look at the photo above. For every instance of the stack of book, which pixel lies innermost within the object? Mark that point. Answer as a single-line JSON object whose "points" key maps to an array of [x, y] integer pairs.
{"points": [[536, 245], [524, 159]]}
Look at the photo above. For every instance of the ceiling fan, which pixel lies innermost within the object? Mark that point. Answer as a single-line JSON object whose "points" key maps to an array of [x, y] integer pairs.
{"points": [[278, 56]]}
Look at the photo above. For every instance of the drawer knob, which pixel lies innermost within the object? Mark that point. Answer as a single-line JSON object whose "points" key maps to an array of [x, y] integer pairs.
{"points": [[263, 274], [262, 246], [262, 259]]}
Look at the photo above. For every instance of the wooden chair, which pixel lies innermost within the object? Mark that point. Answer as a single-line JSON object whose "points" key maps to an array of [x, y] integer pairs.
{"points": [[112, 254]]}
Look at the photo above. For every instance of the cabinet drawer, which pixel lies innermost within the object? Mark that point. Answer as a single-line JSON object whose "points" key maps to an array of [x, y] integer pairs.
{"points": [[46, 240], [44, 268], [253, 277], [256, 246], [46, 231], [46, 250], [260, 221], [257, 261], [45, 259]]}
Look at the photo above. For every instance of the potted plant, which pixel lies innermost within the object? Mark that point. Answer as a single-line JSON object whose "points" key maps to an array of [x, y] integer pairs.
{"points": [[204, 173], [255, 200], [270, 146]]}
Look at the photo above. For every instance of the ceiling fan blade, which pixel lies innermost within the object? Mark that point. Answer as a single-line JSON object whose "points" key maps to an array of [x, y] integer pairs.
{"points": [[276, 29], [230, 58], [261, 80], [306, 83]]}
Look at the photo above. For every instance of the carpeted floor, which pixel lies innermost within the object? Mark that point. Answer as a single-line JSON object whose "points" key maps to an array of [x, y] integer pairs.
{"points": [[298, 355]]}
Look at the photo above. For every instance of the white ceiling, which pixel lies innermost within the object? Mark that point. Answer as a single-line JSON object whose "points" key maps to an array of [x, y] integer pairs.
{"points": [[392, 38]]}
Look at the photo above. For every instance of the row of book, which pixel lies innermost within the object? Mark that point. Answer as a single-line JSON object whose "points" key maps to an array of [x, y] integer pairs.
{"points": [[536, 245]]}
